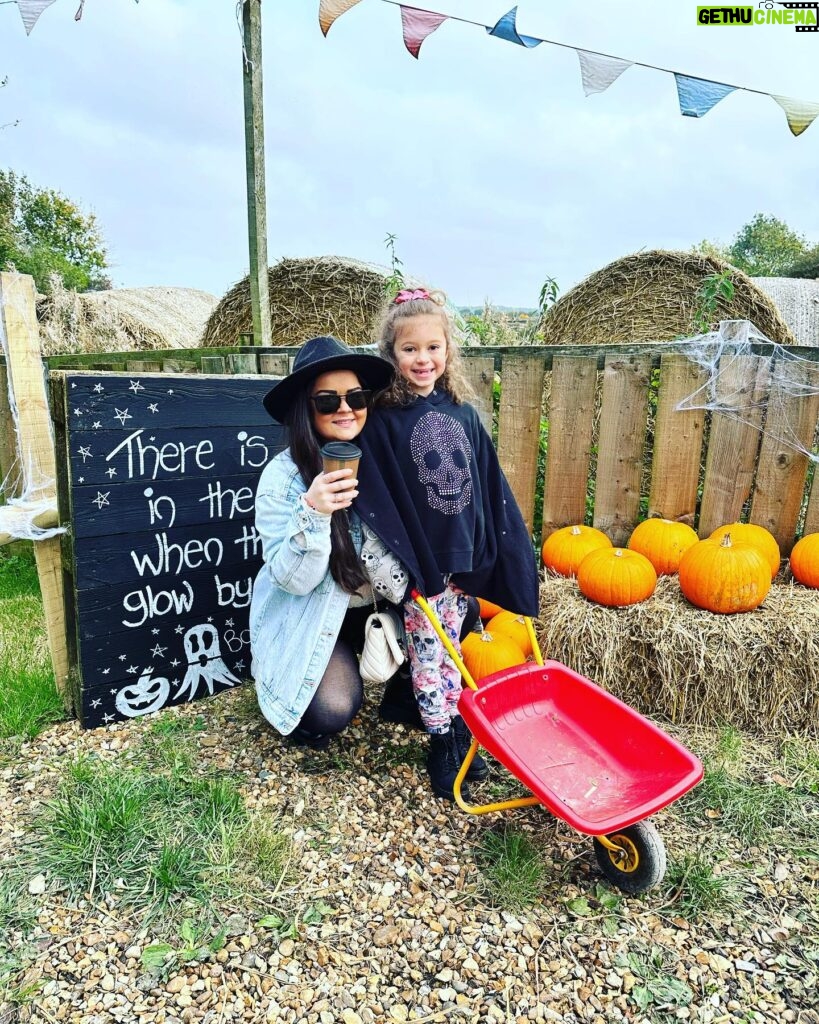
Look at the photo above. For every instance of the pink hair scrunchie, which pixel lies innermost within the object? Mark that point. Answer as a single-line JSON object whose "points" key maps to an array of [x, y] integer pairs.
{"points": [[407, 295]]}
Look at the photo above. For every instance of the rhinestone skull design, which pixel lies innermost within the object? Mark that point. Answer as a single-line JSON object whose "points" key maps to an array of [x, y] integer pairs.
{"points": [[442, 452]]}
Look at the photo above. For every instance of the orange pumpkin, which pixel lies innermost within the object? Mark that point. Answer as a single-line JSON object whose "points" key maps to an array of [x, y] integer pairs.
{"points": [[725, 577], [513, 626], [663, 542], [488, 608], [485, 653], [805, 560], [750, 533], [616, 577], [565, 549]]}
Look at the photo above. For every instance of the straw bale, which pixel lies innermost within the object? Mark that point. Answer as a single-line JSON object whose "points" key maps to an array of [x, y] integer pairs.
{"points": [[308, 297], [122, 319], [757, 671], [797, 301], [652, 296]]}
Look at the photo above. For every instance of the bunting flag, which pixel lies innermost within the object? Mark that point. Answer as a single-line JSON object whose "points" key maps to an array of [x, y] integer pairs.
{"points": [[800, 113], [599, 71], [417, 25], [697, 95], [78, 15], [329, 10], [507, 29], [30, 11]]}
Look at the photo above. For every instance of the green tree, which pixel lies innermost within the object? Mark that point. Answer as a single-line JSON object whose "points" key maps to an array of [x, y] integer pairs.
{"points": [[43, 233], [764, 247]]}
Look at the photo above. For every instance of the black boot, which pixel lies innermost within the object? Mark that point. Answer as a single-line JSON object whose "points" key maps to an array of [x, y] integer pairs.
{"points": [[479, 769], [443, 764], [398, 703]]}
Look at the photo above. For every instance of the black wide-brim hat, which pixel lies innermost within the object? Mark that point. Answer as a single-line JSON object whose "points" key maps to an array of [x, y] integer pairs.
{"points": [[320, 355]]}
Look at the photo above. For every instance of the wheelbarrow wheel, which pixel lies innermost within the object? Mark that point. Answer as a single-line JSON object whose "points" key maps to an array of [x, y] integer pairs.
{"points": [[639, 861]]}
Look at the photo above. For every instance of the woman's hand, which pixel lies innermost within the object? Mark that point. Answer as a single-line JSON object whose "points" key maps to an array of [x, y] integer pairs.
{"points": [[330, 492]]}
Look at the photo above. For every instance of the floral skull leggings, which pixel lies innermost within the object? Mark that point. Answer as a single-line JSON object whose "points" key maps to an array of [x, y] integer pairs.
{"points": [[436, 681]]}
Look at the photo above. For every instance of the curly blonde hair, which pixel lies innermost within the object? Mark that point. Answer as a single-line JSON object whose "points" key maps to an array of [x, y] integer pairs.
{"points": [[453, 380]]}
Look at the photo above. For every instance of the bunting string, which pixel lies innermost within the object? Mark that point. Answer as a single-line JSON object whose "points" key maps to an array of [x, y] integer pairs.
{"points": [[696, 96]]}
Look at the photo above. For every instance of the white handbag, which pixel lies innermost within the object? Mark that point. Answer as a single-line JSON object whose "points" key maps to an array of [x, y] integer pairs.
{"points": [[383, 652]]}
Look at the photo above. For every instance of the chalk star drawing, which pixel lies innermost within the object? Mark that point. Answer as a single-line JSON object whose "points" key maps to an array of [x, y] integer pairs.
{"points": [[122, 657], [111, 471], [175, 662], [80, 479], [108, 718], [179, 629], [158, 651], [135, 386], [170, 391], [78, 411], [96, 703], [97, 387], [210, 618], [153, 407], [132, 668], [228, 622], [73, 385], [105, 671], [239, 665], [155, 631], [115, 690], [101, 499], [122, 415], [85, 452], [96, 425]]}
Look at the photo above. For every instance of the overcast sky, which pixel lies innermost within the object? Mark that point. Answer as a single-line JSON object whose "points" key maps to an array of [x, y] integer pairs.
{"points": [[484, 158]]}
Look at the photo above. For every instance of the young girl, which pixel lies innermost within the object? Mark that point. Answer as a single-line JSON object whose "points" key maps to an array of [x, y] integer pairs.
{"points": [[431, 487]]}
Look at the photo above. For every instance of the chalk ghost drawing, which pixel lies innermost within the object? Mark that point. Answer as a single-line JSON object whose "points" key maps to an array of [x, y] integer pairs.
{"points": [[205, 663]]}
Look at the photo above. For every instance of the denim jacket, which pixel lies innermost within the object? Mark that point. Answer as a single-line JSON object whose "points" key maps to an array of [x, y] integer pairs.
{"points": [[297, 607]]}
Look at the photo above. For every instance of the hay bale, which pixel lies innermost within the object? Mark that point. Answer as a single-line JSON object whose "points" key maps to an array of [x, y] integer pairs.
{"points": [[653, 296], [308, 297], [758, 671], [122, 319], [797, 302]]}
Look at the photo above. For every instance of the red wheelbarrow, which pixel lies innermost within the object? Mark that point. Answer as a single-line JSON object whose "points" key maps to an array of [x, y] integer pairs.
{"points": [[593, 761]]}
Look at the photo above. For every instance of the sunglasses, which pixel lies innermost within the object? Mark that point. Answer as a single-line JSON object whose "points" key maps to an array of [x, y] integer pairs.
{"points": [[330, 403]]}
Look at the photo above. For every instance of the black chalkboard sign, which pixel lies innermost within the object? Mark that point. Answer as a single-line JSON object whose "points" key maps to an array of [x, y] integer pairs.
{"points": [[159, 490]]}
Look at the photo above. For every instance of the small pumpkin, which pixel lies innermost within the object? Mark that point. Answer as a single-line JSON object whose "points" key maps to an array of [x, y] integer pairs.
{"points": [[488, 609], [725, 577], [487, 652], [514, 626], [663, 542], [616, 577], [750, 533], [805, 560], [565, 549]]}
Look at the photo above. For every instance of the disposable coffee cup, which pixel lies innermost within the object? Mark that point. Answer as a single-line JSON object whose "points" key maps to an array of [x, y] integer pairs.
{"points": [[341, 455]]}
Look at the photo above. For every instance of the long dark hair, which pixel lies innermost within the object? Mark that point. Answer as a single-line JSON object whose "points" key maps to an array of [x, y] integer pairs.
{"points": [[345, 565]]}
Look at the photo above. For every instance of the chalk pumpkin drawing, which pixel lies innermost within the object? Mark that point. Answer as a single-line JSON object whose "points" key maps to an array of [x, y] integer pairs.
{"points": [[159, 495]]}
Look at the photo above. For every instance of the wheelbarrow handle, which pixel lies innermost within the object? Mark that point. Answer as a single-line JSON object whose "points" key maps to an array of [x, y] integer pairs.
{"points": [[427, 609]]}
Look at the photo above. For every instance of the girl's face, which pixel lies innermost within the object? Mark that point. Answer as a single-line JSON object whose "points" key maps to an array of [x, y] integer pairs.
{"points": [[345, 423], [420, 351]]}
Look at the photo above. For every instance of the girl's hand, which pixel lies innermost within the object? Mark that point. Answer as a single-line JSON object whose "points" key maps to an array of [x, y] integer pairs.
{"points": [[330, 492]]}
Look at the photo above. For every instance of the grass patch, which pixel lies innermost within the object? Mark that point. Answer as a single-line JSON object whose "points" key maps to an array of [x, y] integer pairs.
{"points": [[159, 838], [696, 891], [751, 811], [800, 759], [512, 867], [29, 700]]}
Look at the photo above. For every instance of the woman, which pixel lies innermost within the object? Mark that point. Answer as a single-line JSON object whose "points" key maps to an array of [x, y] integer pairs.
{"points": [[311, 596]]}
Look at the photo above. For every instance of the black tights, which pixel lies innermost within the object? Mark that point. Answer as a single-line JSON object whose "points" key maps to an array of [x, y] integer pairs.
{"points": [[340, 692]]}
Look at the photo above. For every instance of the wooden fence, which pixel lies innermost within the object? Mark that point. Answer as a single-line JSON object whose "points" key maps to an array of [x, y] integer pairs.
{"points": [[594, 434]]}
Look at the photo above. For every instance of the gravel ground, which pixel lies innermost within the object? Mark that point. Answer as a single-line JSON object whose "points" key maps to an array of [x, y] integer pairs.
{"points": [[410, 930]]}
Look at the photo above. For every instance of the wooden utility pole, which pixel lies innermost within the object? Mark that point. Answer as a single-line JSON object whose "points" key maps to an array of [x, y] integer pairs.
{"points": [[254, 159]]}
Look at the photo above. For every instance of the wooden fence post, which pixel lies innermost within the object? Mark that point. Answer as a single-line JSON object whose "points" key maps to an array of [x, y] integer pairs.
{"points": [[18, 323]]}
